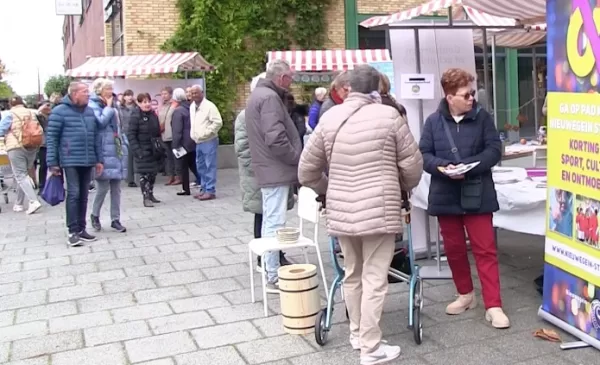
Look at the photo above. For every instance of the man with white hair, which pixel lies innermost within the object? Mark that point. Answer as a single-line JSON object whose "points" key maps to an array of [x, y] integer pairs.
{"points": [[275, 150], [74, 144], [206, 122]]}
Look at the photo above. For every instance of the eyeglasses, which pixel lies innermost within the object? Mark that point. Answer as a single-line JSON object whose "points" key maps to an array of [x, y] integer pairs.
{"points": [[467, 96]]}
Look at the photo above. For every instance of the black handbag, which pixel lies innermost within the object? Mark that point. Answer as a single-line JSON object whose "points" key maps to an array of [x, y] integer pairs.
{"points": [[159, 149], [471, 192]]}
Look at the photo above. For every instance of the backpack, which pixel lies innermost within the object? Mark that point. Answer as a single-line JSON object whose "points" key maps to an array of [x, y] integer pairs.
{"points": [[32, 134]]}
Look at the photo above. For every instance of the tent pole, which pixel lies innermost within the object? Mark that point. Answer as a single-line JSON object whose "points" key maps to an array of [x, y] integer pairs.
{"points": [[536, 116], [494, 82], [421, 122], [486, 73]]}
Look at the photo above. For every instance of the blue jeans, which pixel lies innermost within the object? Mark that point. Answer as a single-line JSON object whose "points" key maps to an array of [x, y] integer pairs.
{"points": [[206, 163], [78, 182], [274, 209]]}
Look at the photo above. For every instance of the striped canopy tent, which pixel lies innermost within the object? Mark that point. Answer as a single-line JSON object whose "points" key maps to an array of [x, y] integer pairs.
{"points": [[524, 12], [328, 60], [144, 65], [506, 35]]}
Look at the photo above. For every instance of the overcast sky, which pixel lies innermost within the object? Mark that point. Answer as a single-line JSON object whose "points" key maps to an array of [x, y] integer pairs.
{"points": [[30, 38]]}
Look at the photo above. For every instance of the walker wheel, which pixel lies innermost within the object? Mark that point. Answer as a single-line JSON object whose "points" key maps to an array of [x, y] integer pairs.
{"points": [[321, 330], [347, 316], [417, 325]]}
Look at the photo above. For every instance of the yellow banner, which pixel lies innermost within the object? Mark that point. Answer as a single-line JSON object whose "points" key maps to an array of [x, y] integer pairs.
{"points": [[574, 181]]}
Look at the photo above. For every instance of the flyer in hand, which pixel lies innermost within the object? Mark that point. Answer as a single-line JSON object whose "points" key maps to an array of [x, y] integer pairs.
{"points": [[459, 169]]}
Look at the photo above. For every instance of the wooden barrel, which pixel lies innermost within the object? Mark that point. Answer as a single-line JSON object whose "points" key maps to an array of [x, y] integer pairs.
{"points": [[299, 297]]}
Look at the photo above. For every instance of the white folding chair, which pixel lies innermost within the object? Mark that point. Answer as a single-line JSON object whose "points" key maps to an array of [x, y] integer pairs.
{"points": [[308, 210]]}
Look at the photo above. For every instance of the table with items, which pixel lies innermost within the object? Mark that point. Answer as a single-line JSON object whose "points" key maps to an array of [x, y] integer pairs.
{"points": [[521, 196]]}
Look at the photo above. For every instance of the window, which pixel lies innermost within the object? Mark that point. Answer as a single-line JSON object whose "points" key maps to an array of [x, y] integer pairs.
{"points": [[371, 39], [116, 26]]}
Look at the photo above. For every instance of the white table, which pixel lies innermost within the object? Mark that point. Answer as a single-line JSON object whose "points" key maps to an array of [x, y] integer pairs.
{"points": [[522, 204]]}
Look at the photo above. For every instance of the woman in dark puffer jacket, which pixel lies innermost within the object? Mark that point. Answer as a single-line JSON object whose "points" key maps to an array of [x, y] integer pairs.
{"points": [[143, 133]]}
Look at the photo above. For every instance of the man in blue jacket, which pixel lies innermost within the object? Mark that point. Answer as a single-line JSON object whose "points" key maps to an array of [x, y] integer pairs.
{"points": [[74, 144]]}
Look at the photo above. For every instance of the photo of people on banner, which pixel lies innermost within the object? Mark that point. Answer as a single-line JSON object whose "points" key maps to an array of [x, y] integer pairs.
{"points": [[586, 220]]}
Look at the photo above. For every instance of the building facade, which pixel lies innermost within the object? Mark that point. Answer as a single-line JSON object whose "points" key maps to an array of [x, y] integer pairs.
{"points": [[83, 36], [138, 27]]}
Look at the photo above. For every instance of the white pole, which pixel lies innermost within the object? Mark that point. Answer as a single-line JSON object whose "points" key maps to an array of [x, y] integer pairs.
{"points": [[494, 83]]}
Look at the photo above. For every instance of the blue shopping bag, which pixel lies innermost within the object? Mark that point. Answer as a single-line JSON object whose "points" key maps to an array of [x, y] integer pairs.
{"points": [[54, 191]]}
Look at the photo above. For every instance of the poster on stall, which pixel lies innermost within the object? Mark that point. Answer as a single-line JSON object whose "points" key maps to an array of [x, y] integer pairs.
{"points": [[386, 68], [572, 250]]}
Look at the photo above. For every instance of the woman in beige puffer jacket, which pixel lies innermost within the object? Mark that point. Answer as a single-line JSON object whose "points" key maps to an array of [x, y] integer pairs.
{"points": [[371, 156]]}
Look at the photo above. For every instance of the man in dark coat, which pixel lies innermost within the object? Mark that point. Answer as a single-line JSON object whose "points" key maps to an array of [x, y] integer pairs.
{"points": [[128, 111], [74, 144]]}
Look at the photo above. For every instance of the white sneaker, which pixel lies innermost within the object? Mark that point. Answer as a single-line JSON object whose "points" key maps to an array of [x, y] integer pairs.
{"points": [[34, 206], [355, 342], [17, 208], [383, 354]]}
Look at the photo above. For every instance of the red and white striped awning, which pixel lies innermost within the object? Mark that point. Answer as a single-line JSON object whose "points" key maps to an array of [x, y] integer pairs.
{"points": [[511, 38], [164, 63], [329, 60], [522, 11]]}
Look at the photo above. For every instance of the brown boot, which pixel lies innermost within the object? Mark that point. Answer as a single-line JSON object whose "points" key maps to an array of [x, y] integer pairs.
{"points": [[170, 181]]}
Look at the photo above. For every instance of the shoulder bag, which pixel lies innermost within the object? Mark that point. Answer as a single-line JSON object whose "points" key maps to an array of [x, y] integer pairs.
{"points": [[471, 192]]}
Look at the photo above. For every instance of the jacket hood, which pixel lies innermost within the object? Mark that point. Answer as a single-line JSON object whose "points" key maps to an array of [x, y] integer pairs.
{"points": [[444, 110], [271, 85], [354, 102], [67, 101]]}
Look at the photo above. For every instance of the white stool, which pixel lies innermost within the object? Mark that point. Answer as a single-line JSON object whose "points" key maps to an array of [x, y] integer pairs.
{"points": [[308, 210]]}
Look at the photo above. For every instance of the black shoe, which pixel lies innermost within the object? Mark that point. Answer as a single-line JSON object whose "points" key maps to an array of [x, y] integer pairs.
{"points": [[153, 199], [116, 225], [148, 203], [182, 193], [86, 237], [282, 260], [74, 240], [95, 222], [132, 185]]}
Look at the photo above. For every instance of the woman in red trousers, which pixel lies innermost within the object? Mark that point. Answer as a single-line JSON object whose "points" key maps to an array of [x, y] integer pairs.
{"points": [[463, 132]]}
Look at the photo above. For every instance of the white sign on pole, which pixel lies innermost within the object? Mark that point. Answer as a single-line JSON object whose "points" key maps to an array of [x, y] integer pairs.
{"points": [[417, 86], [69, 7], [440, 50]]}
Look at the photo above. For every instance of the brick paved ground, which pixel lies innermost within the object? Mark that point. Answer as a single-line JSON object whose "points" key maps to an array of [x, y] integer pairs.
{"points": [[174, 290]]}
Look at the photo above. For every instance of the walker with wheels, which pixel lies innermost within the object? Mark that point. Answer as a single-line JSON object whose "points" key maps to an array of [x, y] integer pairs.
{"points": [[415, 302]]}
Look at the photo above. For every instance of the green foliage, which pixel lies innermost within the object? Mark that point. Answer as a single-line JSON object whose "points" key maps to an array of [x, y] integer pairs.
{"points": [[32, 100], [234, 36], [5, 90], [57, 84]]}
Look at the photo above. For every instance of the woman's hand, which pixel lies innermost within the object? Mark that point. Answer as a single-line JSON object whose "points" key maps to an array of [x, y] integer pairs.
{"points": [[454, 177]]}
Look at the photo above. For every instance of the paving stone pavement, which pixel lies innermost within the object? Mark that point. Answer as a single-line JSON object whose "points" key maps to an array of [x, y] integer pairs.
{"points": [[174, 290]]}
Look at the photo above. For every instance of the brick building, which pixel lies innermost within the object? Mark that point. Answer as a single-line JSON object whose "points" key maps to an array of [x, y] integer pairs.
{"points": [[136, 27]]}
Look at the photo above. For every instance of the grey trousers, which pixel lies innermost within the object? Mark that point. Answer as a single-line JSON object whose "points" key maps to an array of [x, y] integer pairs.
{"points": [[102, 188], [21, 160]]}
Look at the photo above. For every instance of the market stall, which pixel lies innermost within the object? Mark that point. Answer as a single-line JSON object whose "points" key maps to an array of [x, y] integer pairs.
{"points": [[130, 72], [434, 49]]}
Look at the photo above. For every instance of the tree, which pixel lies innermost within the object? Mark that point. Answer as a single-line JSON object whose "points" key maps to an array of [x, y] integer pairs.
{"points": [[6, 91], [32, 100], [2, 69], [57, 84], [234, 36]]}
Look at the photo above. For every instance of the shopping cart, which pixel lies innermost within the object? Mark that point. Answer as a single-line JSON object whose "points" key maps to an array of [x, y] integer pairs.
{"points": [[5, 174], [415, 302]]}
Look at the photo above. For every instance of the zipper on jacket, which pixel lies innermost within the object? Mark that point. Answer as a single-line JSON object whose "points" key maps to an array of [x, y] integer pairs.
{"points": [[86, 138], [457, 127]]}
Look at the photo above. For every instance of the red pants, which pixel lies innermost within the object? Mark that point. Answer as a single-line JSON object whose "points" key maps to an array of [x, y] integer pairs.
{"points": [[481, 235]]}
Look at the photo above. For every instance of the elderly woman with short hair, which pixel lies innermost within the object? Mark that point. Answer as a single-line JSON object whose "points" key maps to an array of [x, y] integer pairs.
{"points": [[181, 139], [372, 157], [462, 132], [114, 152]]}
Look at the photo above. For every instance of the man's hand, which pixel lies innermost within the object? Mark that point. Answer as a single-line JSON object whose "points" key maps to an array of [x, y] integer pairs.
{"points": [[99, 169], [55, 171]]}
